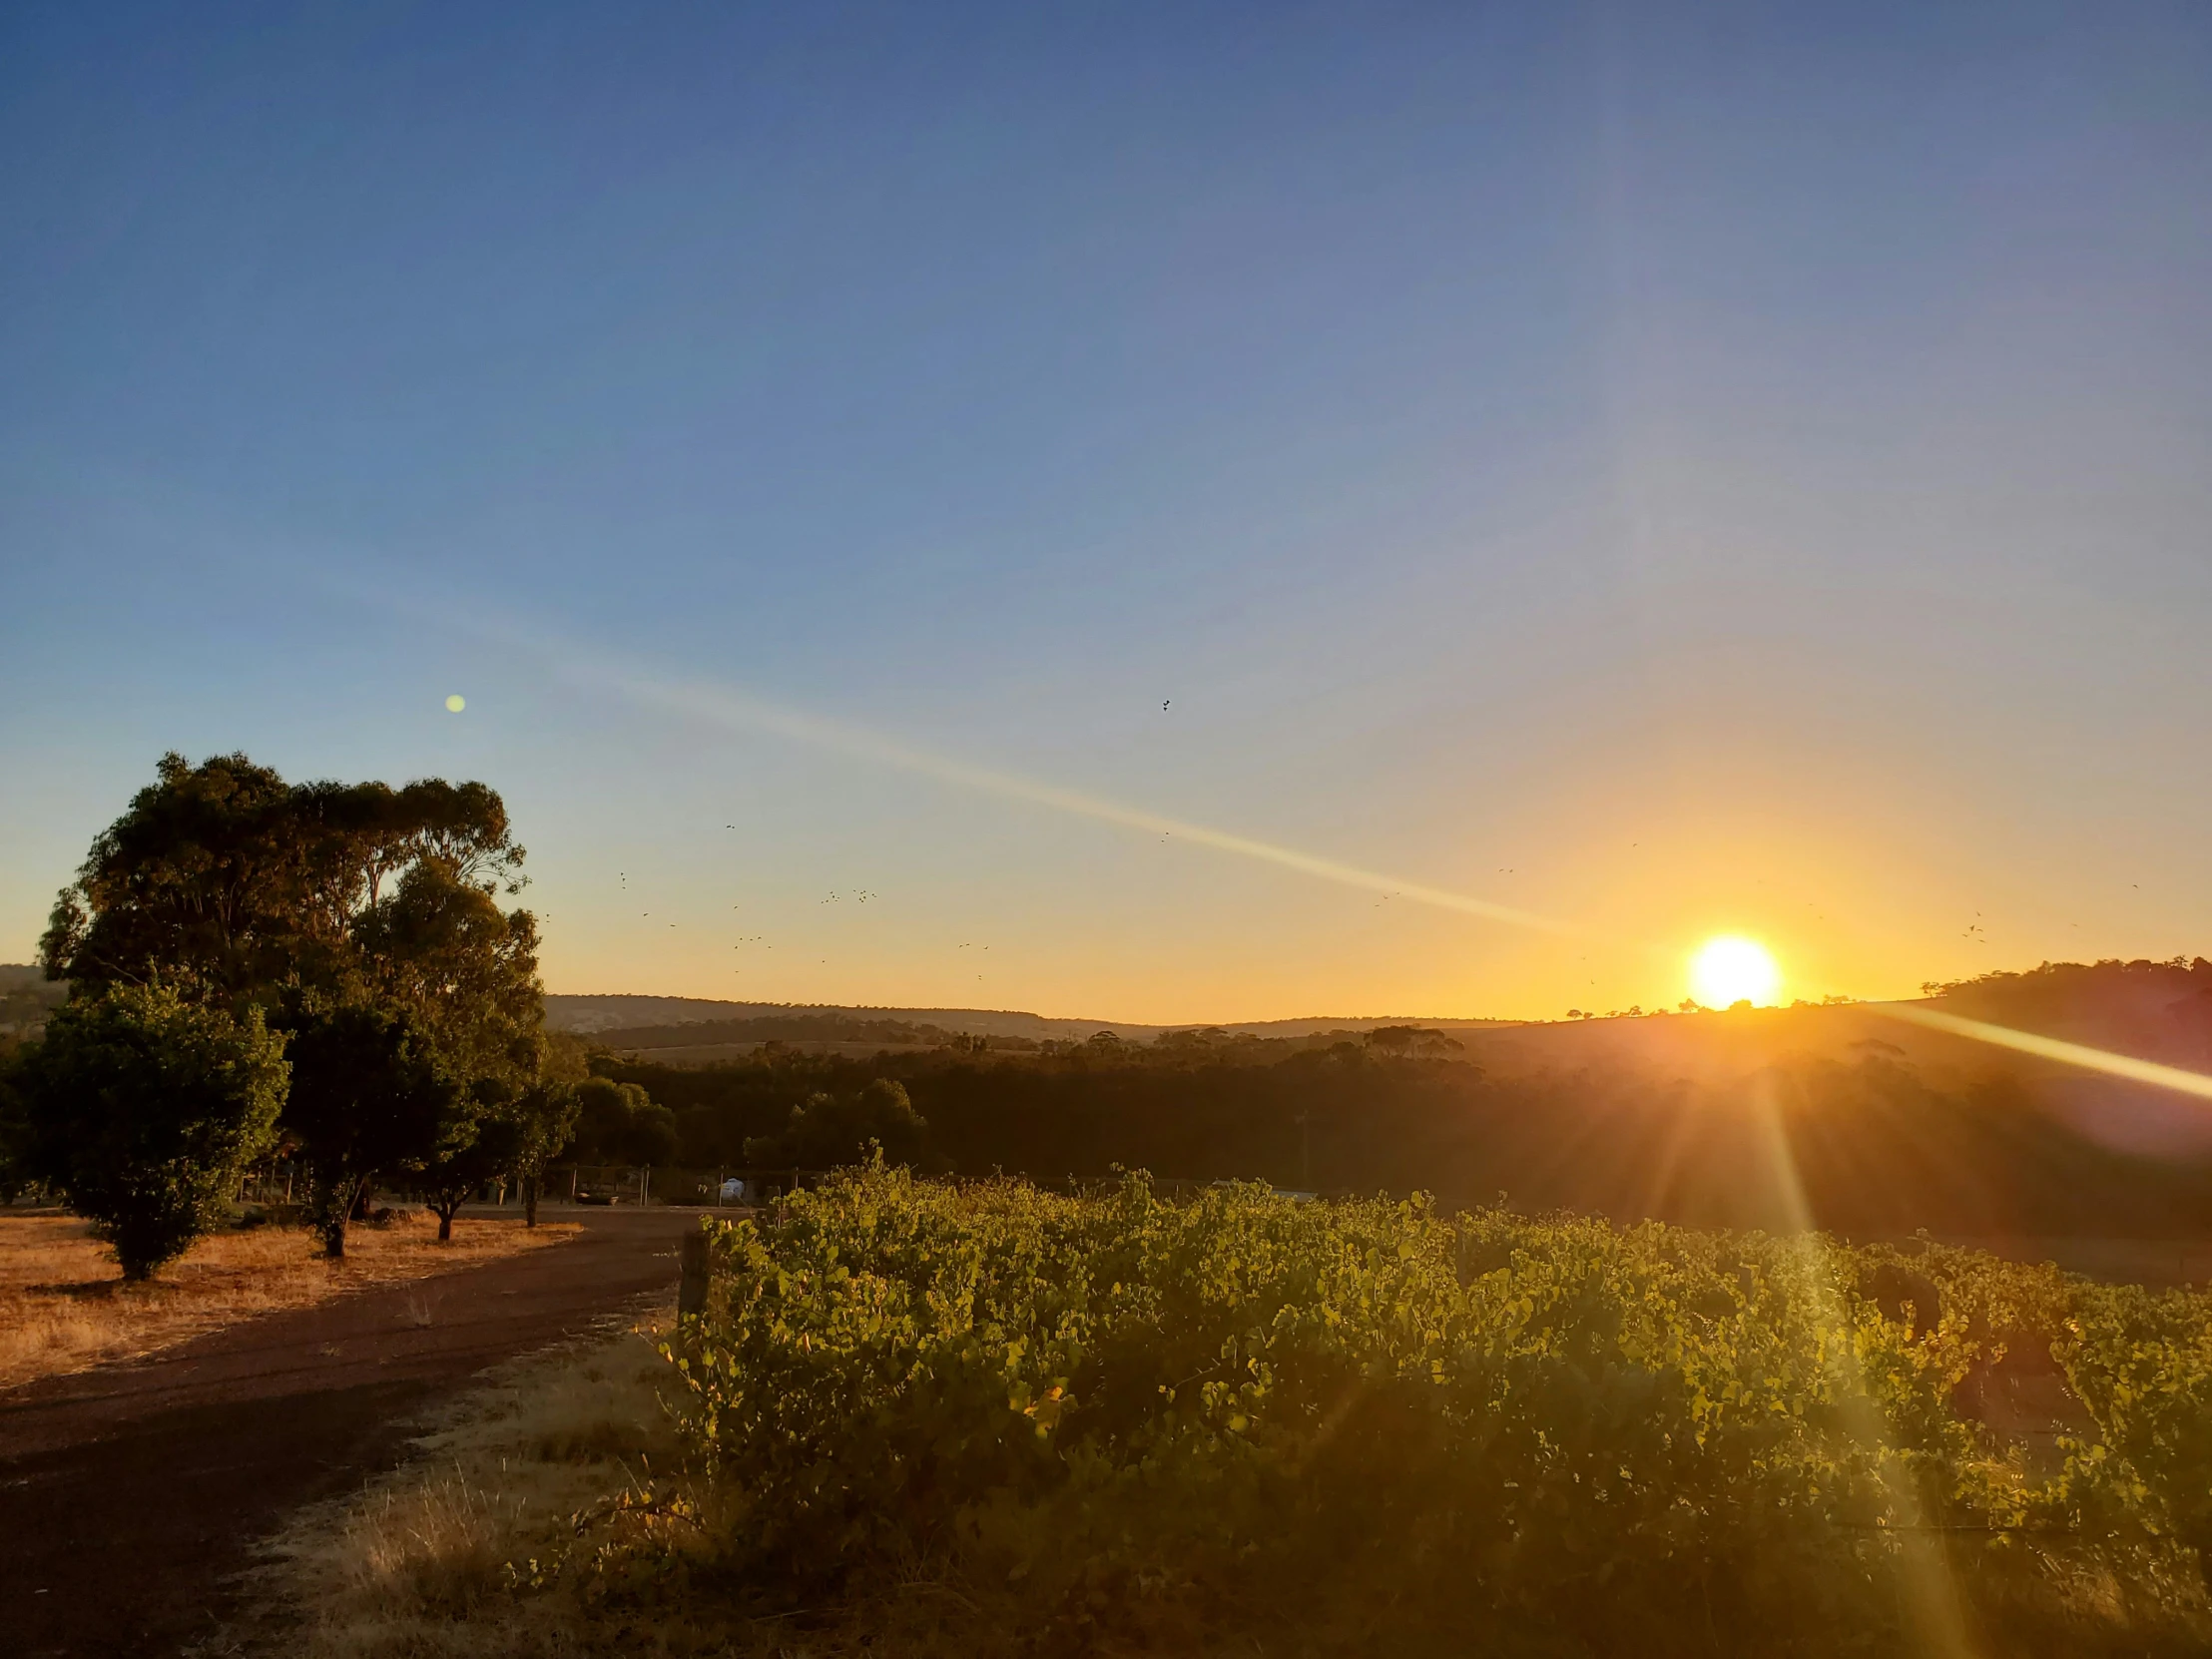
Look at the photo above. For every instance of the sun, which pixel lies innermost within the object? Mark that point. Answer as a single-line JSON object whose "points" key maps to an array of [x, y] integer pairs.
{"points": [[1732, 969]]}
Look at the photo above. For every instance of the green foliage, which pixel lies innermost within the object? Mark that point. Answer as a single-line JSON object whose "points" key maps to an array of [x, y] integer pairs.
{"points": [[2142, 1363], [369, 1092], [830, 1130], [365, 918], [544, 1116], [493, 1150], [262, 892], [1374, 1428], [142, 1108], [199, 879], [514, 1133], [441, 947], [619, 1123]]}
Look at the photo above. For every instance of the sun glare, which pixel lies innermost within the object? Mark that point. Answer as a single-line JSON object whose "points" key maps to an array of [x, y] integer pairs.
{"points": [[1729, 969]]}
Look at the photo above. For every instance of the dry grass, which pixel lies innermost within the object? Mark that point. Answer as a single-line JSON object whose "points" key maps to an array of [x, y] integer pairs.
{"points": [[513, 1535], [423, 1562], [63, 1309]]}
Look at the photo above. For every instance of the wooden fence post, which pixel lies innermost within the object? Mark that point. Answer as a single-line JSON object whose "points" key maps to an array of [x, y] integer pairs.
{"points": [[691, 1298]]}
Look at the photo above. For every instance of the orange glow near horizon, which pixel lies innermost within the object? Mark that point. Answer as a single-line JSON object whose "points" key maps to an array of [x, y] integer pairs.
{"points": [[1595, 886]]}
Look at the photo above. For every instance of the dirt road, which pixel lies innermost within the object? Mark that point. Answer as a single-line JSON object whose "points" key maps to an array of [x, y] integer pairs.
{"points": [[129, 1493]]}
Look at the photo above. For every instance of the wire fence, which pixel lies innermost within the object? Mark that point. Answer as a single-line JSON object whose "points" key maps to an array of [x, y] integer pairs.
{"points": [[719, 1187]]}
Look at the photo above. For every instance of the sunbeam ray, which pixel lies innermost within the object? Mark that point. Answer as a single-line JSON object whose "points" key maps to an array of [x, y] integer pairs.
{"points": [[737, 711], [2051, 1048]]}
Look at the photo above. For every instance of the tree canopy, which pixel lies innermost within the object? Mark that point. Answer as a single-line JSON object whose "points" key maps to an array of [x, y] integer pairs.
{"points": [[365, 920], [370, 1094], [142, 1107], [840, 1129], [439, 947], [224, 875], [227, 914], [619, 1123]]}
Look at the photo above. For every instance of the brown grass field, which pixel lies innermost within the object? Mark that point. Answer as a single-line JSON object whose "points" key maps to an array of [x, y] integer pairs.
{"points": [[63, 1309]]}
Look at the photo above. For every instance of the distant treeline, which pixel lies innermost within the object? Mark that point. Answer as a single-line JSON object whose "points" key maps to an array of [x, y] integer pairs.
{"points": [[2159, 1010], [1868, 1145], [839, 1027], [832, 1027]]}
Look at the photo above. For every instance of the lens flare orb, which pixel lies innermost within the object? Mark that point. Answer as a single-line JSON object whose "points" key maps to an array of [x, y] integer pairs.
{"points": [[1732, 969], [457, 703]]}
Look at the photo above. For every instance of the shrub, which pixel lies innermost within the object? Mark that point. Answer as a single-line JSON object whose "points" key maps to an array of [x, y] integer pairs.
{"points": [[141, 1109], [1377, 1425]]}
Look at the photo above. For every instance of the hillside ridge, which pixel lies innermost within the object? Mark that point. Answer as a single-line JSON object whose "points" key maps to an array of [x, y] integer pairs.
{"points": [[613, 1012]]}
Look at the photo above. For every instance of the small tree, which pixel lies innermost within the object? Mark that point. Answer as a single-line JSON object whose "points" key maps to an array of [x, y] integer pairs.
{"points": [[453, 1177], [367, 1095], [544, 1121], [142, 1109]]}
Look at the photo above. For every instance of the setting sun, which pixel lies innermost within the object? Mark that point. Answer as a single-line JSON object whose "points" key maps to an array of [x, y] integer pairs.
{"points": [[1728, 970]]}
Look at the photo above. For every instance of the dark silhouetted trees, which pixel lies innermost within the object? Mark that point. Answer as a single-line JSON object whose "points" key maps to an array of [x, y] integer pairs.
{"points": [[368, 1095], [1868, 1145], [490, 1151], [365, 920], [141, 1108], [830, 1129], [619, 1123]]}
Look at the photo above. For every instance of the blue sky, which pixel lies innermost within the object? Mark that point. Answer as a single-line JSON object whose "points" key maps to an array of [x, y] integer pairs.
{"points": [[1666, 469]]}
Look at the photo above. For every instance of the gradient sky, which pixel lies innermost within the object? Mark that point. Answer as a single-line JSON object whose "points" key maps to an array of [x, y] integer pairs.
{"points": [[1660, 469]]}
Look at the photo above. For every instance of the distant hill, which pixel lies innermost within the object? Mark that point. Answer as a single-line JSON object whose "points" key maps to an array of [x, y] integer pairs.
{"points": [[2153, 1010], [662, 1016], [27, 996], [1849, 1116], [595, 1014]]}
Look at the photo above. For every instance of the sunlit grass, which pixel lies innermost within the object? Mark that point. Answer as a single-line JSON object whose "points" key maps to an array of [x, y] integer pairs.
{"points": [[425, 1561], [62, 1308]]}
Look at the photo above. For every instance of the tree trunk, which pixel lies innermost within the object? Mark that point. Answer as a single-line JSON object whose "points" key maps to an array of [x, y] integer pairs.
{"points": [[445, 1221], [330, 1197], [529, 1201]]}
